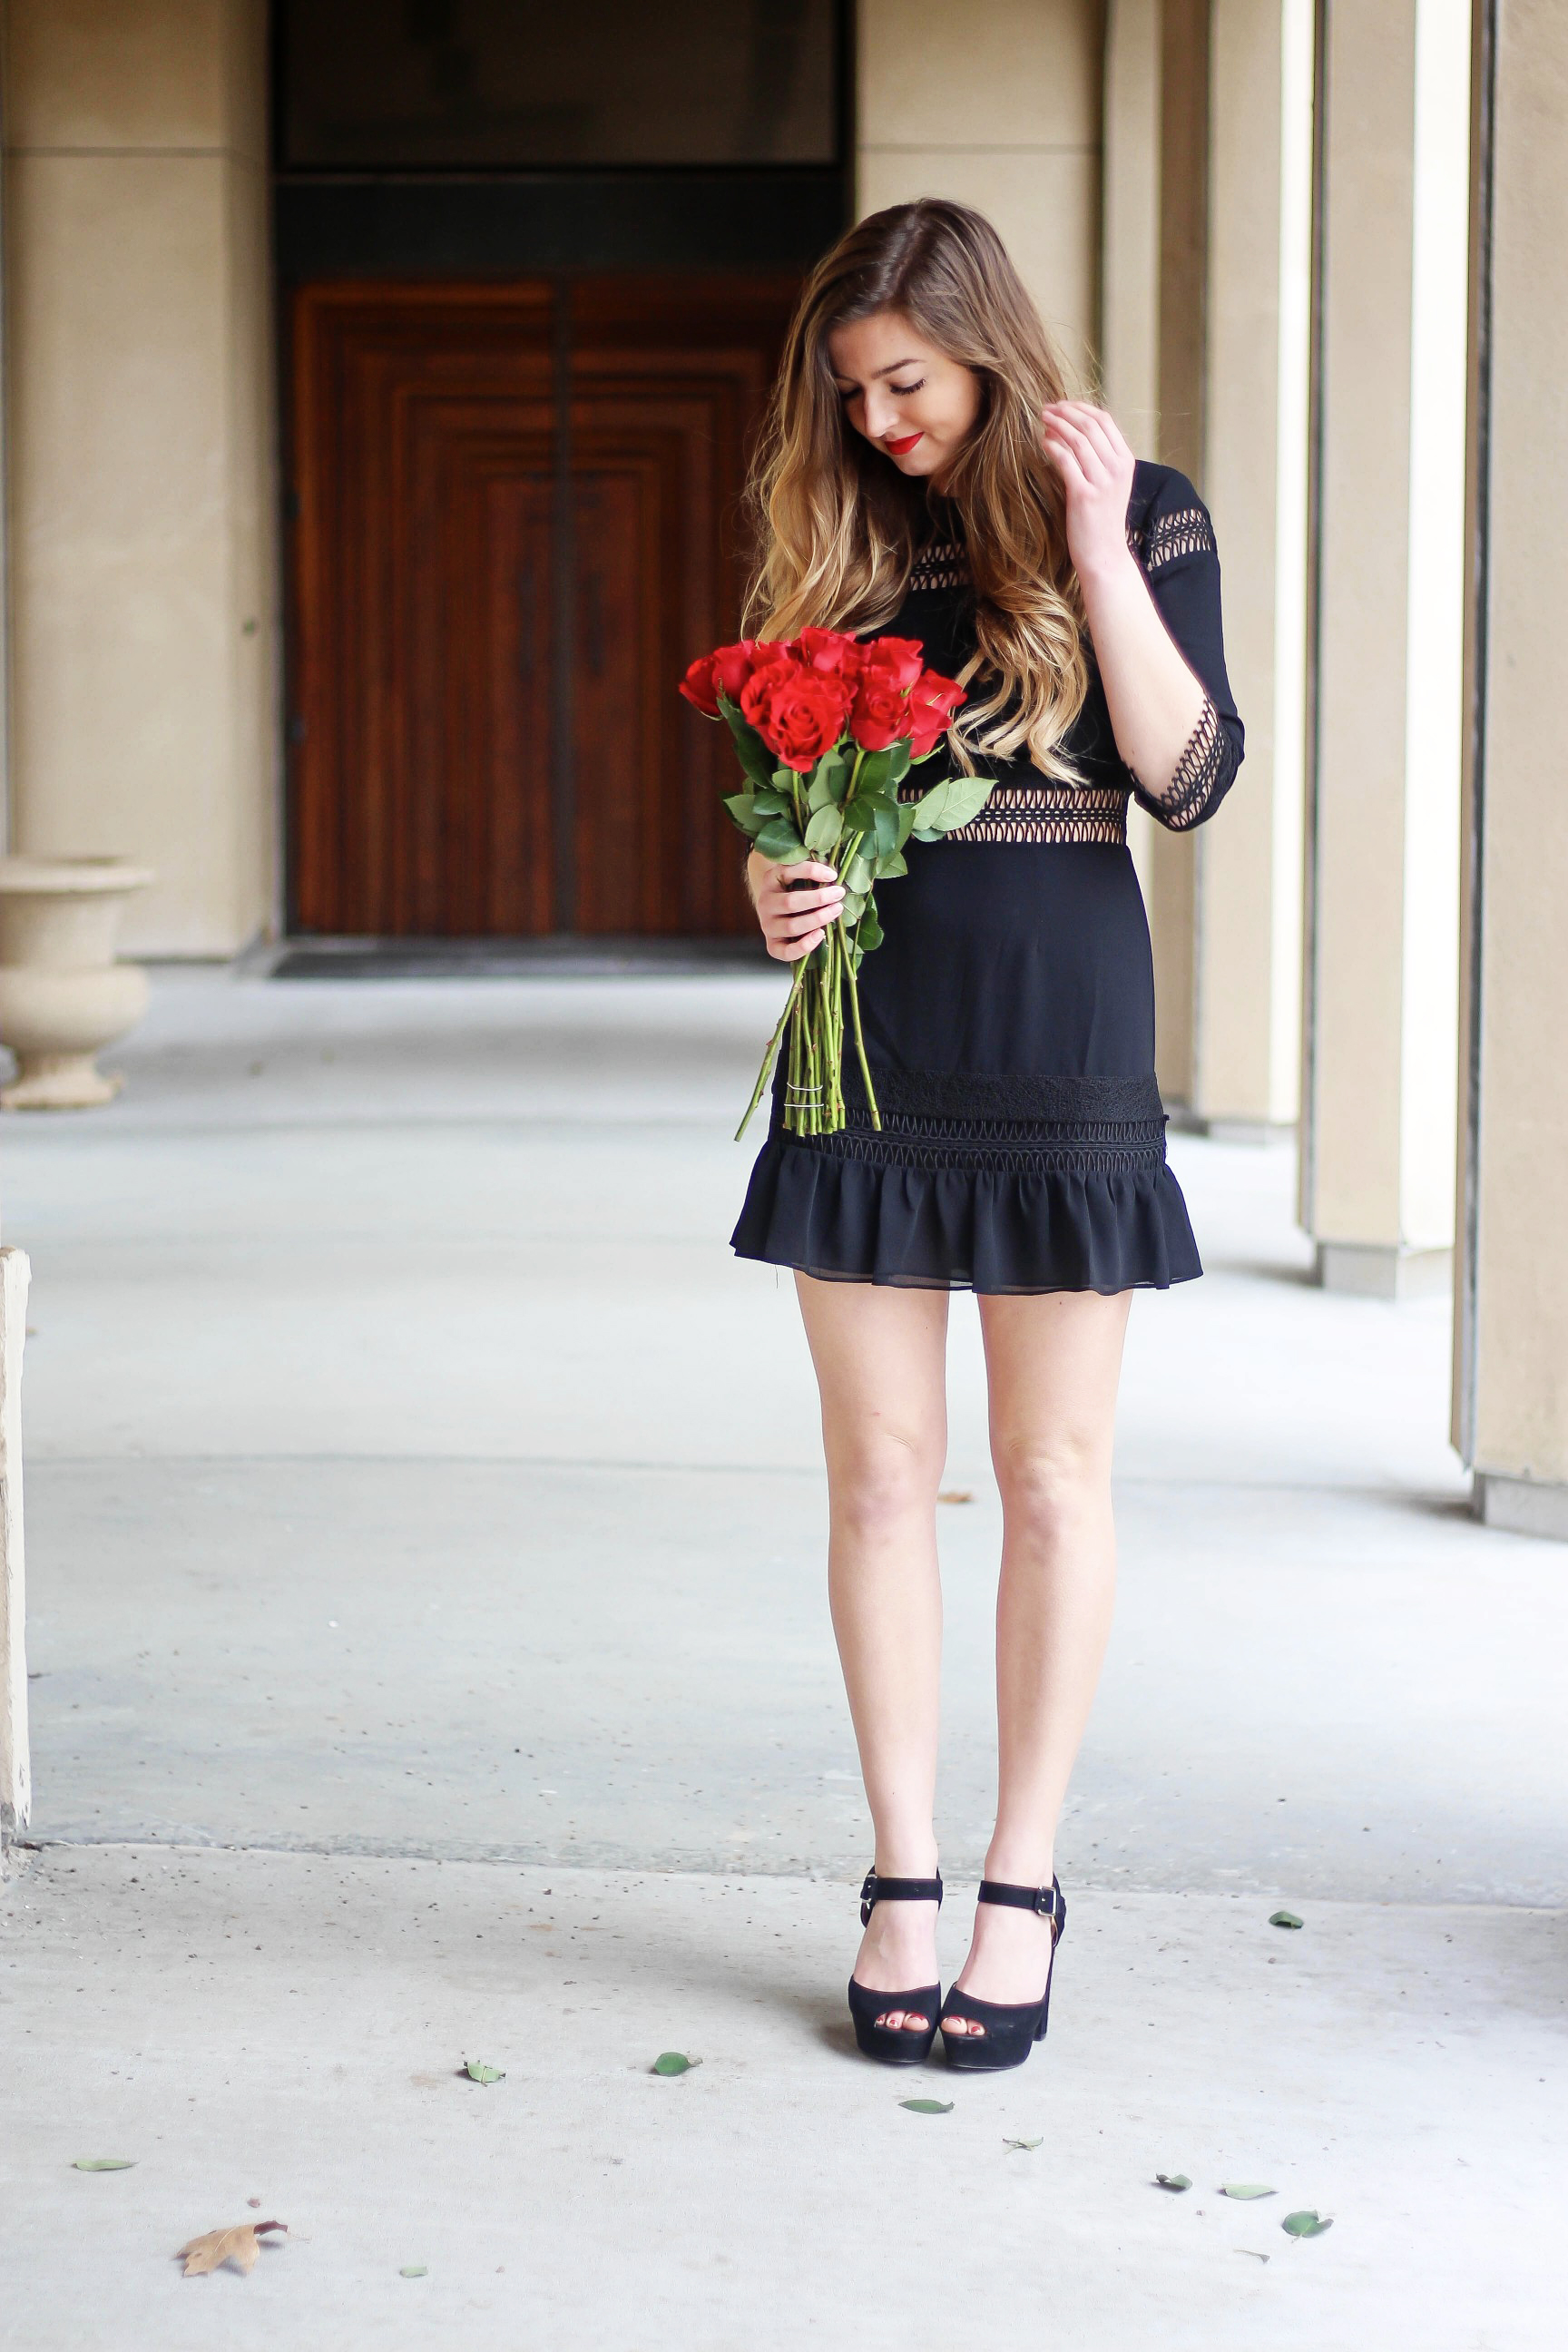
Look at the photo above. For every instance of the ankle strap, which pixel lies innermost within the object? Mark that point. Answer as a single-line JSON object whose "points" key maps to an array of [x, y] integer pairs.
{"points": [[1046, 1900], [897, 1890]]}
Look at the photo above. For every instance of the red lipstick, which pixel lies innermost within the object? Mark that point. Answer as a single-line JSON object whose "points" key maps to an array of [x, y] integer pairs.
{"points": [[901, 448]]}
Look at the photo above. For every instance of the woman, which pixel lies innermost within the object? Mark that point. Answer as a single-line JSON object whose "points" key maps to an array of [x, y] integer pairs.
{"points": [[925, 476]]}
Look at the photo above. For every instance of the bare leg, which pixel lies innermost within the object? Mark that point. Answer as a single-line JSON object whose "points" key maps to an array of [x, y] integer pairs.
{"points": [[881, 1366], [1053, 1362]]}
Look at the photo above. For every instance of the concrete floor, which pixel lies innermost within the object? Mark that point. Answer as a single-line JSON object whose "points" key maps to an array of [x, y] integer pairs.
{"points": [[425, 1540]]}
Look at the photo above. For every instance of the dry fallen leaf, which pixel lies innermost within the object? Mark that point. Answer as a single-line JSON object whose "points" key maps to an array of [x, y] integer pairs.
{"points": [[239, 2246]]}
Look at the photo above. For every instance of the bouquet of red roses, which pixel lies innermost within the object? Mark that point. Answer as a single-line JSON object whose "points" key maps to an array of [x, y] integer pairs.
{"points": [[826, 730]]}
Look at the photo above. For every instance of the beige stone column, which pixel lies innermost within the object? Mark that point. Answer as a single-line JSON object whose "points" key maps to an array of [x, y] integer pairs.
{"points": [[140, 449], [999, 108], [1246, 1055], [1378, 1163], [1131, 250], [5, 477], [1511, 1385], [1206, 275], [1169, 862]]}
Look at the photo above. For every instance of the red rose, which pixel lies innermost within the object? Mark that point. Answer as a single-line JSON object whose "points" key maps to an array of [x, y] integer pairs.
{"points": [[931, 705], [759, 687], [698, 686], [881, 713], [799, 714], [831, 653], [902, 659], [733, 665]]}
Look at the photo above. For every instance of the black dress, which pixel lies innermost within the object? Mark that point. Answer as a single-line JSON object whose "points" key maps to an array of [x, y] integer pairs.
{"points": [[1009, 1013]]}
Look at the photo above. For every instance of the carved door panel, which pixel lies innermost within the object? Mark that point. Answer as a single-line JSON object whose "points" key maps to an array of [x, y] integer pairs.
{"points": [[514, 521]]}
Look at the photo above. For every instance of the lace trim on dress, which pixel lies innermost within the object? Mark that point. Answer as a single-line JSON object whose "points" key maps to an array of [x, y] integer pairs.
{"points": [[1202, 773], [1168, 537], [1002, 1124], [1043, 814], [1038, 1097], [941, 564]]}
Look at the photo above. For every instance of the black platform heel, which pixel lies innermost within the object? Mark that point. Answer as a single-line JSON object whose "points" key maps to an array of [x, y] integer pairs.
{"points": [[1011, 2028], [901, 2045]]}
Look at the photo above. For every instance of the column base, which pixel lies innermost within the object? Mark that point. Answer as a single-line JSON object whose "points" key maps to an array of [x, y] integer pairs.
{"points": [[1379, 1270], [1525, 1507]]}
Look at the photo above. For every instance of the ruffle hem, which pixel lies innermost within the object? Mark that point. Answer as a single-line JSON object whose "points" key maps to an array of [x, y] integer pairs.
{"points": [[996, 1230]]}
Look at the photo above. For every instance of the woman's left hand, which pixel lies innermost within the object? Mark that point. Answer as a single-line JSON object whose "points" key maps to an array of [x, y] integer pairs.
{"points": [[1085, 446]]}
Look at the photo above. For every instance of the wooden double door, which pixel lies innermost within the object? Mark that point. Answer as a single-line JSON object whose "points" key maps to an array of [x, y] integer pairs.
{"points": [[515, 518]]}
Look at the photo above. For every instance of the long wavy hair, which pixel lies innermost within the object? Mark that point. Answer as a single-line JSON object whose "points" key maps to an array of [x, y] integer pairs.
{"points": [[837, 526]]}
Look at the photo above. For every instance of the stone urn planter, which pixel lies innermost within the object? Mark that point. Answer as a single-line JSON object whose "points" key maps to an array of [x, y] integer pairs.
{"points": [[62, 995]]}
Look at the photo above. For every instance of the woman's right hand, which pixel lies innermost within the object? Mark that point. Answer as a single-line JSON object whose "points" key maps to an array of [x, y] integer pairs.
{"points": [[793, 920]]}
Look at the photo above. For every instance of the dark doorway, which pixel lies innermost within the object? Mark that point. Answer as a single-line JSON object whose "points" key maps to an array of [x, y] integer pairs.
{"points": [[535, 275]]}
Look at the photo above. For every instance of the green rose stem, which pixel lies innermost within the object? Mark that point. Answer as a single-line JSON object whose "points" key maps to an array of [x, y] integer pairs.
{"points": [[860, 1039], [773, 1048]]}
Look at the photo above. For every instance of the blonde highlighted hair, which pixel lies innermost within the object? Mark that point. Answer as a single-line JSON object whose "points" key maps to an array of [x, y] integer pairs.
{"points": [[837, 526]]}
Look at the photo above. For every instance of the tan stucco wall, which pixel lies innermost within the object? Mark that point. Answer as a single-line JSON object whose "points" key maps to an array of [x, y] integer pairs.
{"points": [[139, 411], [998, 106], [1519, 1370]]}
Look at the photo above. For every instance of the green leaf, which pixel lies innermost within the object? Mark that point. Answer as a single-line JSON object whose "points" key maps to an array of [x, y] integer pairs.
{"points": [[477, 2071], [750, 748], [674, 2061], [103, 2163], [854, 908], [1283, 1919], [870, 934], [828, 781], [743, 807], [414, 2270], [779, 840], [1246, 2189], [889, 868], [1305, 2225], [822, 830], [857, 875], [1029, 2146], [875, 770], [899, 763], [885, 817], [784, 783], [951, 803], [1173, 2180], [928, 2106], [906, 821]]}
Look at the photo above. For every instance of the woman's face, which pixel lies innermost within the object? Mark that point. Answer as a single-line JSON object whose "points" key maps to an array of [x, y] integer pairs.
{"points": [[909, 400]]}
